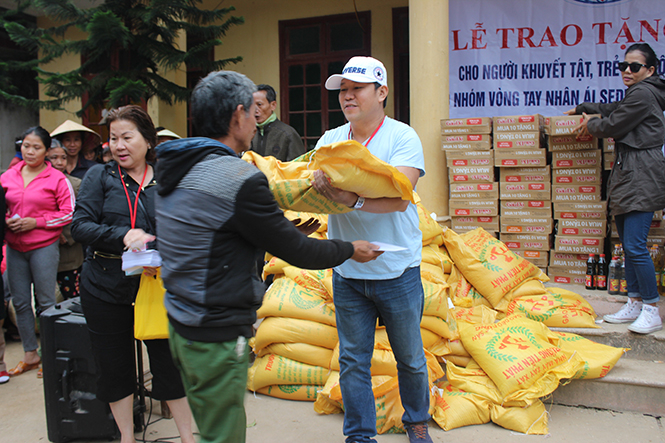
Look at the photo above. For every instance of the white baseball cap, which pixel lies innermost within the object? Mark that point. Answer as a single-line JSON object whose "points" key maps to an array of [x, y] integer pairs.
{"points": [[360, 70]]}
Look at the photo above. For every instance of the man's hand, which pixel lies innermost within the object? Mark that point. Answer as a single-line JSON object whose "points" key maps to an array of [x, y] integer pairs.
{"points": [[582, 130], [571, 111], [308, 226], [321, 184], [135, 239], [149, 271], [364, 251]]}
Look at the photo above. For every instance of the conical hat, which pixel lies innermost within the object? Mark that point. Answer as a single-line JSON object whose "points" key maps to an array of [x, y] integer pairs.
{"points": [[167, 133], [70, 126]]}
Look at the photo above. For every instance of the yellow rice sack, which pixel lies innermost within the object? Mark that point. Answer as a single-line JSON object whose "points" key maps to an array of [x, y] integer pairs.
{"points": [[431, 229], [291, 392], [457, 360], [462, 294], [436, 299], [438, 256], [311, 279], [275, 370], [286, 298], [517, 355], [439, 326], [274, 266], [476, 314], [555, 308], [531, 420], [599, 359], [302, 352], [294, 330], [487, 263], [457, 348], [324, 404], [432, 273], [472, 379], [456, 408], [439, 348], [304, 216], [429, 337]]}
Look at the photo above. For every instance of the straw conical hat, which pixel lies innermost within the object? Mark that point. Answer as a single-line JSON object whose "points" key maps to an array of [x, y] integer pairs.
{"points": [[167, 133], [70, 126]]}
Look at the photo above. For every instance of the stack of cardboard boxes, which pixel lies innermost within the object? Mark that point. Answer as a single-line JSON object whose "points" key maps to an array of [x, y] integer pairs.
{"points": [[470, 159], [524, 186], [576, 194]]}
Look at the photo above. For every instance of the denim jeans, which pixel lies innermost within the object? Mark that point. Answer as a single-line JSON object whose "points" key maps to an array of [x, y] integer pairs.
{"points": [[633, 230], [399, 303]]}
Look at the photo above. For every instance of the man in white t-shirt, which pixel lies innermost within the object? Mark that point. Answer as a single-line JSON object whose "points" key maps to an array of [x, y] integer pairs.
{"points": [[388, 288]]}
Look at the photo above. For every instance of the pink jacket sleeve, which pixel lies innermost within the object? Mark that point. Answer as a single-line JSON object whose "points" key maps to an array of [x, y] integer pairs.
{"points": [[65, 201]]}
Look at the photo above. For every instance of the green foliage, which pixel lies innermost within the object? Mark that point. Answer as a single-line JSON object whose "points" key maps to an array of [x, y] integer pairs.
{"points": [[128, 47]]}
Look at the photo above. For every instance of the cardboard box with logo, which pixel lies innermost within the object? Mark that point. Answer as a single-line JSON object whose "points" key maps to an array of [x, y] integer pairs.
{"points": [[465, 191], [578, 176], [517, 140], [520, 175], [525, 191], [470, 158], [583, 227], [577, 159], [563, 124], [476, 125], [479, 207], [538, 258], [530, 225], [467, 142], [464, 224], [471, 174], [571, 142], [526, 208], [535, 242], [578, 245], [519, 123], [563, 260], [520, 158]]}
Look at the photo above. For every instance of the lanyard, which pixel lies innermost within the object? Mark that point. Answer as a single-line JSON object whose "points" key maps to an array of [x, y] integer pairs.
{"points": [[132, 214], [372, 136]]}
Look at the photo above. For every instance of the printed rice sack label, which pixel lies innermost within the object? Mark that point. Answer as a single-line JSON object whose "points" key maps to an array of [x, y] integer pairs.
{"points": [[431, 229], [294, 330], [291, 392], [532, 419], [437, 256], [286, 298], [312, 280], [462, 293], [302, 352], [476, 314], [517, 355], [599, 359], [531, 286], [456, 408], [324, 404], [487, 263], [555, 308], [276, 370], [273, 266], [472, 379], [436, 299]]}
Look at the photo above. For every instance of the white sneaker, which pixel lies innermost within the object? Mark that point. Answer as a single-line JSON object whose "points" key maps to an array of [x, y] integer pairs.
{"points": [[628, 313], [649, 321]]}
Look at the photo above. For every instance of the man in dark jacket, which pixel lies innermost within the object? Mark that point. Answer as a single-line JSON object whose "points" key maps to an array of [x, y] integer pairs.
{"points": [[215, 217], [273, 137]]}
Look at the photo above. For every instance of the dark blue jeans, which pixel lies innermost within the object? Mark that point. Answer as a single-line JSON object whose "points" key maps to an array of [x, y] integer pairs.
{"points": [[633, 230], [358, 304]]}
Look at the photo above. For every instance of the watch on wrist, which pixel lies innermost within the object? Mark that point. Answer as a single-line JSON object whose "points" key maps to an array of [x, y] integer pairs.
{"points": [[359, 203]]}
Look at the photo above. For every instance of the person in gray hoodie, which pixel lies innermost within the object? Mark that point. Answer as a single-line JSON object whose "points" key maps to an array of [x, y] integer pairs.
{"points": [[636, 187]]}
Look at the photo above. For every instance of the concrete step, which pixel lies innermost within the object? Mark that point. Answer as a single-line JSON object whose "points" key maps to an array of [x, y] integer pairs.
{"points": [[631, 386]]}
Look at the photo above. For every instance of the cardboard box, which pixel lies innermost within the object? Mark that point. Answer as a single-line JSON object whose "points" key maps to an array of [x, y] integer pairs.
{"points": [[469, 223], [525, 191], [577, 175], [467, 142], [539, 242], [572, 271], [562, 260], [514, 123], [657, 215], [577, 159], [608, 144], [518, 175], [580, 207], [608, 160], [464, 191], [481, 125], [469, 158], [544, 212], [520, 157], [538, 258], [563, 124], [571, 142], [578, 245], [517, 140], [576, 193], [562, 277], [471, 174], [518, 225], [473, 207], [526, 208], [587, 227]]}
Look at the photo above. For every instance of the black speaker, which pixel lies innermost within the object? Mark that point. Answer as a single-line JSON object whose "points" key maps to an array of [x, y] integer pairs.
{"points": [[72, 408]]}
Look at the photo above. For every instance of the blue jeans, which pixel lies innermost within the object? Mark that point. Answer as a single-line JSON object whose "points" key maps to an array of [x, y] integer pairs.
{"points": [[399, 303], [633, 230]]}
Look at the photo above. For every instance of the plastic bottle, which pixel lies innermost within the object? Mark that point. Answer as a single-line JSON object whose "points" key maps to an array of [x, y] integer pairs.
{"points": [[601, 274], [623, 287], [590, 272], [614, 276]]}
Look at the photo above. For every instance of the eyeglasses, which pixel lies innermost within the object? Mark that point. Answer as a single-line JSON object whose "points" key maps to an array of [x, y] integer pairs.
{"points": [[634, 66]]}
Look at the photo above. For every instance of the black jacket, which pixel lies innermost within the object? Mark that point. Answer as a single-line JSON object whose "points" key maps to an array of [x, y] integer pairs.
{"points": [[213, 225], [637, 124], [101, 221], [278, 140]]}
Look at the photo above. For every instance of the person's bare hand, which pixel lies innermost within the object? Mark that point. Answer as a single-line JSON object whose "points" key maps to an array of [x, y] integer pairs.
{"points": [[582, 130], [24, 224], [149, 271], [322, 185], [364, 251], [13, 224], [135, 239], [308, 226], [63, 239], [570, 111]]}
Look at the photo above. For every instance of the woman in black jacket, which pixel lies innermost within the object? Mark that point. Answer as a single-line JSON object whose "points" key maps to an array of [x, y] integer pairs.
{"points": [[637, 182], [115, 211]]}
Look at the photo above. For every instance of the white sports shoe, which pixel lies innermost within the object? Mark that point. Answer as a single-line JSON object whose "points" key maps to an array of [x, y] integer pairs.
{"points": [[628, 313], [649, 321]]}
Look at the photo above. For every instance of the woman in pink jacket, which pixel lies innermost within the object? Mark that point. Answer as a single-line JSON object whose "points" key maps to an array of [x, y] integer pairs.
{"points": [[40, 202]]}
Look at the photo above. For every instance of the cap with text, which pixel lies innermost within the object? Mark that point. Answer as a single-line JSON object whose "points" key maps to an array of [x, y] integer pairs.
{"points": [[360, 70]]}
